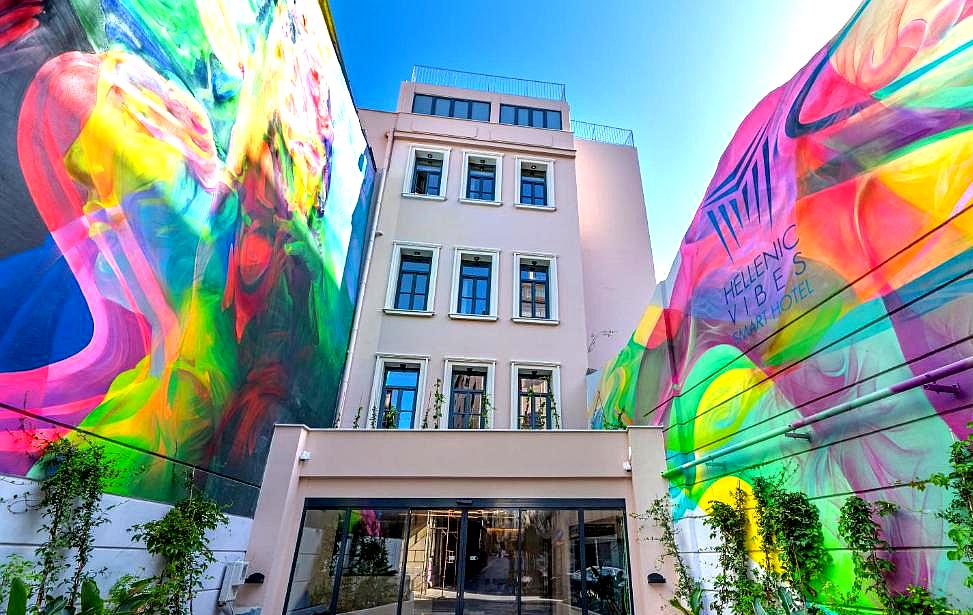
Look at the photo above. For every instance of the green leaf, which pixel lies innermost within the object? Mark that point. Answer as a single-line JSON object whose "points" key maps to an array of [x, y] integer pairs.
{"points": [[17, 602], [91, 602]]}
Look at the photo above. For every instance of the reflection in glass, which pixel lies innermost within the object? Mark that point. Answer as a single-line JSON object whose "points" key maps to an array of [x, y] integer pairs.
{"points": [[373, 560], [606, 559], [317, 557], [430, 568], [491, 562], [550, 561]]}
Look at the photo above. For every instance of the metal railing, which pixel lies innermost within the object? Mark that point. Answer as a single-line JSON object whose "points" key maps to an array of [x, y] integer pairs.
{"points": [[496, 84], [603, 134]]}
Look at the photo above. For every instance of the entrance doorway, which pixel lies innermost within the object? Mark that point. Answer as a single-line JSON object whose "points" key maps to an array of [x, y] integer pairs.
{"points": [[434, 557]]}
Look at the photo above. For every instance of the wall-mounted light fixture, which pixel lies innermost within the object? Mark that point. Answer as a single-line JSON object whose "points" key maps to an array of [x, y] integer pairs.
{"points": [[655, 578]]}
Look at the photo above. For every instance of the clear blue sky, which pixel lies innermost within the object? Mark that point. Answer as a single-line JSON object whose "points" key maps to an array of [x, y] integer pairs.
{"points": [[681, 74]]}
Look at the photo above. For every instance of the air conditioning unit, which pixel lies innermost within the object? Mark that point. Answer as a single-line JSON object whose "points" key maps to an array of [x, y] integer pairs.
{"points": [[234, 575]]}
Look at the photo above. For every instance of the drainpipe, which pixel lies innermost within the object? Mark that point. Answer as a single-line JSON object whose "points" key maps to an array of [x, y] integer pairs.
{"points": [[346, 373], [895, 389]]}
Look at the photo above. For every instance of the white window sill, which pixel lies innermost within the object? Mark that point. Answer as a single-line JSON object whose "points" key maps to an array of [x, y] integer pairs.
{"points": [[423, 197], [536, 321], [479, 202], [394, 312], [458, 316], [535, 207]]}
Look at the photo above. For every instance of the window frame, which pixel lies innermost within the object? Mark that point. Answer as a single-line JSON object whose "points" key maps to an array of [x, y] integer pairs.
{"points": [[548, 165], [490, 366], [546, 114], [553, 309], [378, 386], [410, 171], [550, 367], [458, 255], [395, 263], [498, 178], [452, 106]]}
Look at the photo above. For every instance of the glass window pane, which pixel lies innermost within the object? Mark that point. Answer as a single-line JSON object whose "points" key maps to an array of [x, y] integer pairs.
{"points": [[606, 558], [508, 114], [402, 378], [441, 106], [312, 582], [554, 119], [537, 118], [523, 116], [461, 108], [481, 111], [422, 104], [491, 562], [551, 562], [403, 301], [373, 560], [430, 569]]}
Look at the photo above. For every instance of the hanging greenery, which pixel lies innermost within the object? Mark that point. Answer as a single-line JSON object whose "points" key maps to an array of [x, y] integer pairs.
{"points": [[959, 513], [863, 536], [688, 594], [737, 591]]}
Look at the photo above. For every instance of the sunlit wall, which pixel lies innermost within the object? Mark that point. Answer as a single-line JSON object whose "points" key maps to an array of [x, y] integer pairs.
{"points": [[831, 257], [185, 188]]}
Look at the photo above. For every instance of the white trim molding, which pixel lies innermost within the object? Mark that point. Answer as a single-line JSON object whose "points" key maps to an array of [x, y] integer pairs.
{"points": [[430, 250], [459, 253], [452, 362], [497, 178], [548, 165], [553, 311], [548, 367], [381, 359], [410, 169]]}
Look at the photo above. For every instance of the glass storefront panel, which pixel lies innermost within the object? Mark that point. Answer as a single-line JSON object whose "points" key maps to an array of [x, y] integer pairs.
{"points": [[372, 562], [550, 562], [606, 559], [490, 583], [312, 581], [430, 570]]}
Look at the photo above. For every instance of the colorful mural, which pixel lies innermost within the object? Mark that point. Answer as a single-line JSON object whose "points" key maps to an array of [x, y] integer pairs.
{"points": [[185, 193], [830, 258]]}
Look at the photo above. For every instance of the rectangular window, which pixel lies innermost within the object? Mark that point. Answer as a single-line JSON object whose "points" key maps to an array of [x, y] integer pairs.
{"points": [[468, 407], [427, 176], [451, 107], [528, 116], [535, 398], [413, 287], [606, 560], [372, 561], [533, 187], [475, 275], [534, 290], [399, 394], [481, 179]]}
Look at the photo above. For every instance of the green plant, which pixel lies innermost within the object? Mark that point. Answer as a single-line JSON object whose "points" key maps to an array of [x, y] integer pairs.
{"points": [[737, 591], [20, 569], [91, 602], [863, 537], [373, 418], [438, 400], [959, 512], [688, 593], [390, 418], [917, 601], [180, 538], [357, 417], [77, 476], [17, 602], [790, 526]]}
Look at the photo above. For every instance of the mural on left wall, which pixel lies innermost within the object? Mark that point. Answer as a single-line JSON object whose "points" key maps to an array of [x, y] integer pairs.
{"points": [[185, 190]]}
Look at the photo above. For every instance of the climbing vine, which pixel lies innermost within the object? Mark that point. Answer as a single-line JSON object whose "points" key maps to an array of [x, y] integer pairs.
{"points": [[737, 591], [688, 594], [959, 512], [863, 536]]}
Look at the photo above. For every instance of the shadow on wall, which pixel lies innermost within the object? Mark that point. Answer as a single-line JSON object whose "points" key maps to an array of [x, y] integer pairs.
{"points": [[830, 258]]}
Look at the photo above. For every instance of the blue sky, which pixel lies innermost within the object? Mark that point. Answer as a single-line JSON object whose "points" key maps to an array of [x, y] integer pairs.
{"points": [[681, 74]]}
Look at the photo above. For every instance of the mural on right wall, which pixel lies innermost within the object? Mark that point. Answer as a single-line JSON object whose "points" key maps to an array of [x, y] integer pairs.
{"points": [[830, 258]]}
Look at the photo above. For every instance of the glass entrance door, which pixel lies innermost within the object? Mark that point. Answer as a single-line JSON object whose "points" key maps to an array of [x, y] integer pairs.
{"points": [[523, 558]]}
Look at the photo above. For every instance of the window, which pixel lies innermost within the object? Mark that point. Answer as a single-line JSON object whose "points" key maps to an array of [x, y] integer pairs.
{"points": [[399, 394], [412, 279], [469, 394], [535, 181], [527, 116], [451, 107], [396, 392], [535, 297], [482, 177], [533, 291], [426, 174], [536, 395], [475, 284]]}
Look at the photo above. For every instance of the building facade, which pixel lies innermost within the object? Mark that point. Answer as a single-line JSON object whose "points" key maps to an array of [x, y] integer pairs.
{"points": [[493, 284]]}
